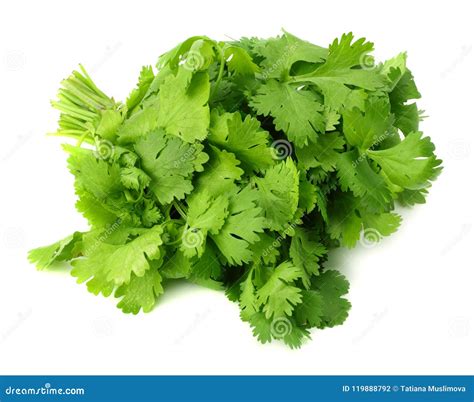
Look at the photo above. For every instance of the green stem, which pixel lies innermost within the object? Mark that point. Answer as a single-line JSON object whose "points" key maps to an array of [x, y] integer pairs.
{"points": [[180, 208], [221, 70]]}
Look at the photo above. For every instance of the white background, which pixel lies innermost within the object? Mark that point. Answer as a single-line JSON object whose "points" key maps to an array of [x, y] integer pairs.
{"points": [[411, 294]]}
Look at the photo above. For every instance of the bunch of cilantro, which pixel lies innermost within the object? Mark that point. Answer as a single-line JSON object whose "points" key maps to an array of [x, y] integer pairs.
{"points": [[238, 166]]}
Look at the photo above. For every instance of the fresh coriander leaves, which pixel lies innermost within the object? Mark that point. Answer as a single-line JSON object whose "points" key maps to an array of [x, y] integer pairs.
{"points": [[239, 166]]}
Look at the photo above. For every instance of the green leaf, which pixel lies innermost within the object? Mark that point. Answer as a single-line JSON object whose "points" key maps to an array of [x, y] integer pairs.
{"points": [[183, 109], [282, 52], [111, 264], [220, 173], [278, 296], [170, 163], [140, 293], [139, 124], [311, 310], [332, 285], [63, 250], [205, 214], [323, 153], [333, 77], [244, 138], [411, 164], [278, 194], [241, 227], [364, 129], [295, 111], [305, 252], [239, 61], [144, 81], [356, 174]]}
